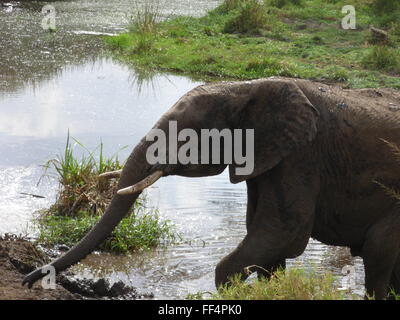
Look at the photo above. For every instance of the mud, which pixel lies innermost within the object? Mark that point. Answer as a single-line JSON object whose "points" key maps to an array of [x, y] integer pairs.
{"points": [[18, 256]]}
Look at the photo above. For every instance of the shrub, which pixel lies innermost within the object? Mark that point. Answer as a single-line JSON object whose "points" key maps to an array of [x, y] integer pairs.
{"points": [[382, 58], [250, 18]]}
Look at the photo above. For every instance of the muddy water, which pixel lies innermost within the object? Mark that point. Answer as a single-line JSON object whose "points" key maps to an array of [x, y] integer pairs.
{"points": [[52, 83]]}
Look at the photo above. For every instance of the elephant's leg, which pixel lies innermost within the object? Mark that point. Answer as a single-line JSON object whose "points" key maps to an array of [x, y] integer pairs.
{"points": [[280, 227], [266, 244], [264, 270], [380, 253], [252, 198]]}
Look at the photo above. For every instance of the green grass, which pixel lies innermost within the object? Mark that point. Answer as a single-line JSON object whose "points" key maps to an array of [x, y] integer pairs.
{"points": [[139, 231], [292, 284], [383, 58], [385, 11], [282, 3], [250, 17], [83, 198], [291, 38], [394, 296]]}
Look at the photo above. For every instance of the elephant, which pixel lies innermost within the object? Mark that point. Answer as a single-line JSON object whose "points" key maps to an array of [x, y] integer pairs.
{"points": [[324, 160]]}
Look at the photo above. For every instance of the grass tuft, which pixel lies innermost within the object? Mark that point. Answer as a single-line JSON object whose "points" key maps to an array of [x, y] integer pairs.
{"points": [[145, 17], [250, 17], [290, 284], [121, 42], [81, 189], [83, 198], [143, 25], [382, 58]]}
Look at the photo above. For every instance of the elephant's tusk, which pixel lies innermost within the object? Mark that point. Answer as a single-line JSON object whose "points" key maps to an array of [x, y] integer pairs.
{"points": [[110, 175], [140, 186]]}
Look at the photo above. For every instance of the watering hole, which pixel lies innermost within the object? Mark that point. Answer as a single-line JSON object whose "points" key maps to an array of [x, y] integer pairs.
{"points": [[52, 83]]}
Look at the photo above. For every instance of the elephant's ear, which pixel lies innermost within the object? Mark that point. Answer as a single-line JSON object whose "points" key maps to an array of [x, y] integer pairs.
{"points": [[283, 119]]}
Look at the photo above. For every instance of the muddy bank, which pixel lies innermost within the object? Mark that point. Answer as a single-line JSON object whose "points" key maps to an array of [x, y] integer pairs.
{"points": [[19, 256]]}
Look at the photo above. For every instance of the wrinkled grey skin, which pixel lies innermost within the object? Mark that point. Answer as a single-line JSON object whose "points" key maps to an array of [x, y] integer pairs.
{"points": [[319, 159]]}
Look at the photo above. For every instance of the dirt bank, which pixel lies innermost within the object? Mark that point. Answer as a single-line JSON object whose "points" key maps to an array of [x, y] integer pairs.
{"points": [[19, 256]]}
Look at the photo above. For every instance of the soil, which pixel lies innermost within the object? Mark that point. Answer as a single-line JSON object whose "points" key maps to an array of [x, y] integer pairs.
{"points": [[18, 256]]}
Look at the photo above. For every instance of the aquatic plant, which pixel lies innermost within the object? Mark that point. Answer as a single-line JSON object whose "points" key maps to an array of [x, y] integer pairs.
{"points": [[83, 198], [81, 189], [143, 24], [145, 17]]}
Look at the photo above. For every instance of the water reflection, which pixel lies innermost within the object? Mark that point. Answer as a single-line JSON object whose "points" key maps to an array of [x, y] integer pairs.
{"points": [[94, 100], [32, 55]]}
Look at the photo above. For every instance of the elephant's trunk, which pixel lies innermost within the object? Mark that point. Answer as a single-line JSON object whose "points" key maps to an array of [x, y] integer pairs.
{"points": [[135, 170], [118, 208]]}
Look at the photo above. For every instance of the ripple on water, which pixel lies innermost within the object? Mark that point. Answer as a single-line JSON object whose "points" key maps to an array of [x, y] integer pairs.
{"points": [[16, 209]]}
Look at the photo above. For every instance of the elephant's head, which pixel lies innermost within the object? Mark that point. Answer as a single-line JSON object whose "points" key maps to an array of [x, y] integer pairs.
{"points": [[283, 120]]}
